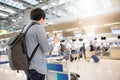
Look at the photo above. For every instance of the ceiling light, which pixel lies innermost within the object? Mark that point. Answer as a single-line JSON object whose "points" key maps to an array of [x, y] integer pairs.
{"points": [[7, 9], [33, 2], [4, 15], [80, 22], [57, 31], [72, 29], [39, 1], [13, 20]]}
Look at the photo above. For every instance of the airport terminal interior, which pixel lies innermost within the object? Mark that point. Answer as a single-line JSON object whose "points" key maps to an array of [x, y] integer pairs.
{"points": [[94, 24]]}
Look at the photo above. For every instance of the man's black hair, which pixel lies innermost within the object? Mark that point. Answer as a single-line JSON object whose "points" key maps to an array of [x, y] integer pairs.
{"points": [[37, 14]]}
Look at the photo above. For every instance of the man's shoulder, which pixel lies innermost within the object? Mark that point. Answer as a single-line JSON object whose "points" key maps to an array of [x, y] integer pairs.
{"points": [[35, 26]]}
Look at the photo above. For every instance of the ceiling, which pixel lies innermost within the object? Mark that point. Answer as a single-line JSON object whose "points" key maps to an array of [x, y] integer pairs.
{"points": [[107, 20], [61, 14]]}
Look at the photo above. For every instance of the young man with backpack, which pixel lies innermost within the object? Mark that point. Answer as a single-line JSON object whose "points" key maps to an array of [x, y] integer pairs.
{"points": [[34, 36]]}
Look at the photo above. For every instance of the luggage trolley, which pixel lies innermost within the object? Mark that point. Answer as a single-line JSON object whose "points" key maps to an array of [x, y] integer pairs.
{"points": [[57, 70]]}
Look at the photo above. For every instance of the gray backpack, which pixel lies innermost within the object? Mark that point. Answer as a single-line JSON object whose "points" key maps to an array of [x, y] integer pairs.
{"points": [[18, 58]]}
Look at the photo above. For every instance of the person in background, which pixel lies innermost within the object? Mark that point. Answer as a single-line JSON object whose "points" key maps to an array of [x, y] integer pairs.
{"points": [[73, 47], [37, 35], [62, 47], [92, 48], [83, 50]]}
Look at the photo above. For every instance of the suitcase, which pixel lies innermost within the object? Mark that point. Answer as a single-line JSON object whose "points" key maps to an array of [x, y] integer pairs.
{"points": [[95, 58]]}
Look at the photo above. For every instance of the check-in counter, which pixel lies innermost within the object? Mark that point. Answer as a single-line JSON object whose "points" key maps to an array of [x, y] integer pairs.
{"points": [[115, 52]]}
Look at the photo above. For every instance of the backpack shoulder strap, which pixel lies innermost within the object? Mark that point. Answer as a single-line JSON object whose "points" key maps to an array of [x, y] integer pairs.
{"points": [[33, 53], [28, 27]]}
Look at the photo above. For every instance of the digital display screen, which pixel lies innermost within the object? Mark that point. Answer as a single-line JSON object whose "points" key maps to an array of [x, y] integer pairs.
{"points": [[73, 39], [77, 35], [80, 39], [51, 38], [116, 31], [103, 38]]}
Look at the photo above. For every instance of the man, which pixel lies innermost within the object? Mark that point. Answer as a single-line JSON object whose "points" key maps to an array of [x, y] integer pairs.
{"points": [[83, 50], [62, 47], [36, 35]]}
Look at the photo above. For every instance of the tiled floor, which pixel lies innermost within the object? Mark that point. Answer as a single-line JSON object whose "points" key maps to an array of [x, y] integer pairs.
{"points": [[104, 70], [7, 74]]}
